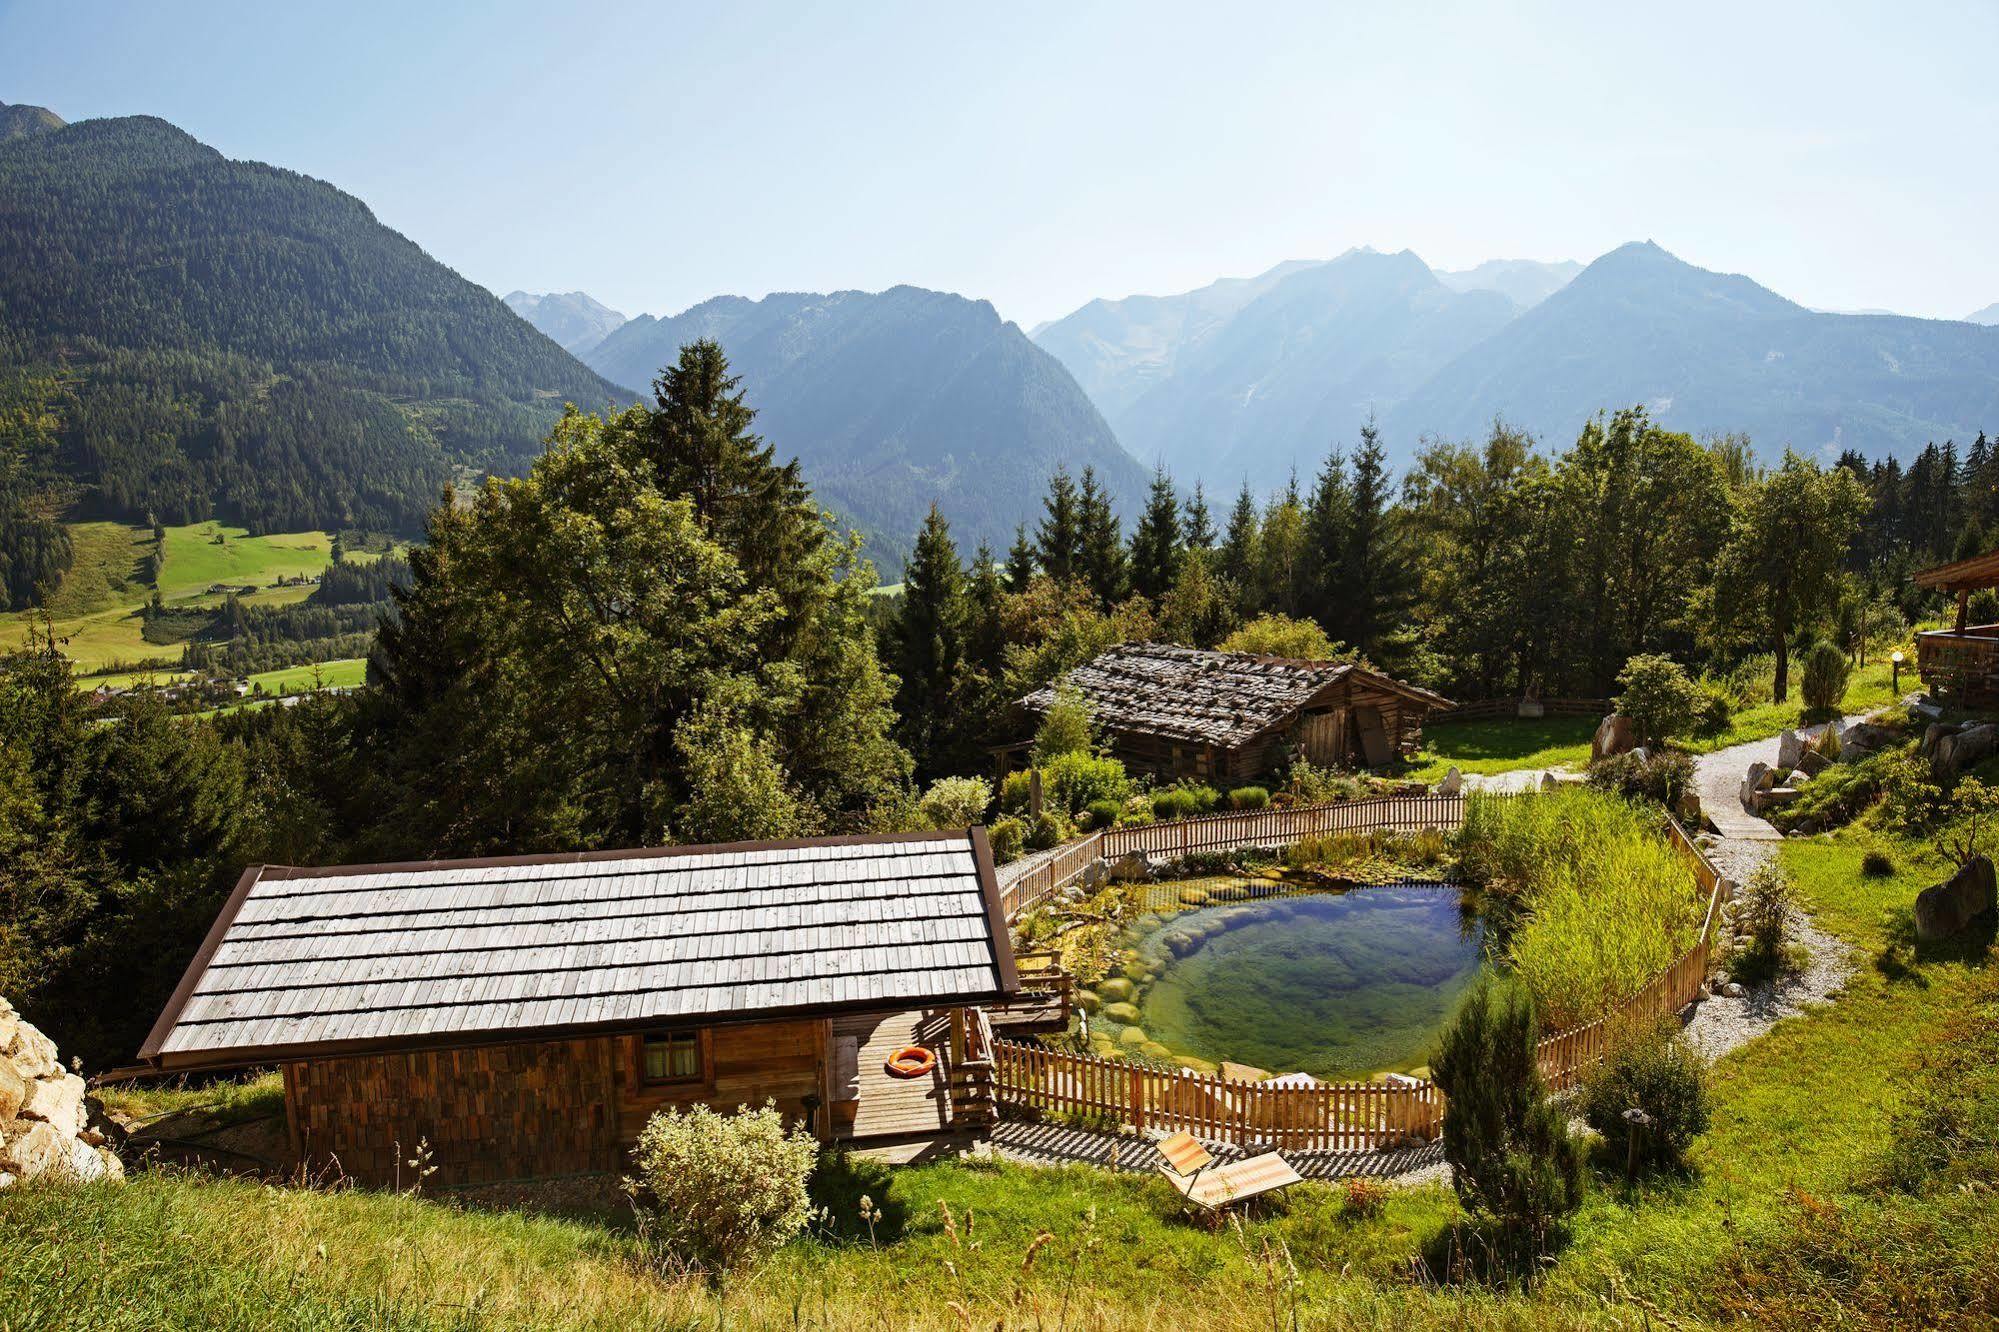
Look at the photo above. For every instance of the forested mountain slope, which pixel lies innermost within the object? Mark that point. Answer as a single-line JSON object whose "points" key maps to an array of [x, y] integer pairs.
{"points": [[894, 400], [240, 341]]}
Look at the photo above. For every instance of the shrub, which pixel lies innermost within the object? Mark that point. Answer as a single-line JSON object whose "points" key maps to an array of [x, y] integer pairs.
{"points": [[1363, 1198], [1015, 788], [1067, 728], [1282, 636], [1077, 780], [1661, 777], [1103, 813], [1762, 916], [1651, 1068], [1877, 864], [718, 1192], [955, 802], [1322, 786], [1714, 707], [1512, 1157], [1659, 697], [1249, 797], [1008, 837], [1837, 796], [1050, 829], [1822, 681], [1175, 802]]}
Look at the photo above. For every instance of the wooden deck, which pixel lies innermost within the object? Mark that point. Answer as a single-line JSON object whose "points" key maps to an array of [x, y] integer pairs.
{"points": [[1961, 665], [899, 1107]]}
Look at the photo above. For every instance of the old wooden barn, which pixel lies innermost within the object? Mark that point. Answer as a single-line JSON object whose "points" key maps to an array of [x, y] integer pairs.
{"points": [[1234, 716], [526, 1015]]}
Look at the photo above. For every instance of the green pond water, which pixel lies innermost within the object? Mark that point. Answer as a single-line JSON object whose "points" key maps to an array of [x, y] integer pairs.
{"points": [[1336, 986]]}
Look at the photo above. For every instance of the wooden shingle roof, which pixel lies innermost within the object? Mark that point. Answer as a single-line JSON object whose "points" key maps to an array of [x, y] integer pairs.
{"points": [[354, 958], [1961, 575], [1218, 698]]}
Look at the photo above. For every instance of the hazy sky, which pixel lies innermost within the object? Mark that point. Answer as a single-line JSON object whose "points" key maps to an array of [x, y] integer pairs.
{"points": [[655, 155]]}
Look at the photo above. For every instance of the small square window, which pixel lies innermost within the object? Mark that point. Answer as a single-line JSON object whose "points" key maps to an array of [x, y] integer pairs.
{"points": [[675, 1057]]}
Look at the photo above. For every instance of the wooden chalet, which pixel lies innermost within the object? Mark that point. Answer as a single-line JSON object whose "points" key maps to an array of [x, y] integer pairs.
{"points": [[1961, 663], [1234, 716], [525, 1016]]}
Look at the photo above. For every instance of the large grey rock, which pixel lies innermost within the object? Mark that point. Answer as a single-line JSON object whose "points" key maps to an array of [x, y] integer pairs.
{"points": [[1753, 782], [33, 1054], [10, 1022], [1615, 734], [1812, 763], [1453, 783], [57, 1102], [1932, 734], [1952, 754], [1945, 908], [1859, 740], [13, 1091], [1132, 867], [29, 1147], [1790, 746]]}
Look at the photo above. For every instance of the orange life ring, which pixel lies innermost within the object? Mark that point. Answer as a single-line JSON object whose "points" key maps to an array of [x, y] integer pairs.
{"points": [[911, 1061]]}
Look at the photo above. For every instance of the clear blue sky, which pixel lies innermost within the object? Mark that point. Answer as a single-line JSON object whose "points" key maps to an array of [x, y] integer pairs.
{"points": [[1039, 155]]}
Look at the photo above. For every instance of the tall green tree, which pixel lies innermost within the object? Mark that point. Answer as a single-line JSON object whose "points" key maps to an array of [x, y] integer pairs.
{"points": [[1155, 541], [932, 643], [1102, 565], [1198, 528], [1019, 560], [577, 643], [1242, 546], [1377, 580], [1328, 532], [1780, 571], [1058, 542]]}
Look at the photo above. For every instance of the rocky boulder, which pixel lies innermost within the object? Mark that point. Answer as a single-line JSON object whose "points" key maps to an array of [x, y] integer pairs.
{"points": [[1945, 908], [1790, 748], [1953, 753], [1615, 734], [1861, 739], [1812, 763], [1453, 783], [46, 1125]]}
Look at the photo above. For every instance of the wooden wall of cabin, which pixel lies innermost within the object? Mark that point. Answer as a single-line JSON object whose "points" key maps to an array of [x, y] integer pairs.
{"points": [[534, 1109], [489, 1113]]}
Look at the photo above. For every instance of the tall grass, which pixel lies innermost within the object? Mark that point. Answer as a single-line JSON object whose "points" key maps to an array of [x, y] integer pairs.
{"points": [[1602, 903]]}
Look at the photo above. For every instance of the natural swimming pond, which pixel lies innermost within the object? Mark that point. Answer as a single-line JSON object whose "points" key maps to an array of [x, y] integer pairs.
{"points": [[1338, 986]]}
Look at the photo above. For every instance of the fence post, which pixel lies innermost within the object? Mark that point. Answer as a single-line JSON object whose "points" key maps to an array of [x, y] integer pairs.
{"points": [[1137, 1098]]}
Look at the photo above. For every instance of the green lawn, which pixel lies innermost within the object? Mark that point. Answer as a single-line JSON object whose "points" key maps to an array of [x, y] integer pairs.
{"points": [[343, 674], [1502, 745], [1870, 688]]}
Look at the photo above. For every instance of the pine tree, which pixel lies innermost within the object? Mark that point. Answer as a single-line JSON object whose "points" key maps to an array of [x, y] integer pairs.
{"points": [[931, 637], [986, 594], [1198, 530], [1058, 544], [1019, 560], [1377, 579], [1155, 542], [1328, 530], [1242, 549], [1102, 563]]}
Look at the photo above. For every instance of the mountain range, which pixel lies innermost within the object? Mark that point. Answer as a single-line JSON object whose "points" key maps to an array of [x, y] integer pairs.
{"points": [[1250, 379], [245, 342], [1988, 316], [896, 400], [571, 318]]}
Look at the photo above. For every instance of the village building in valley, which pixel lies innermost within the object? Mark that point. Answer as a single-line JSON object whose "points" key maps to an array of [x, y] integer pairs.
{"points": [[1179, 712], [525, 1016]]}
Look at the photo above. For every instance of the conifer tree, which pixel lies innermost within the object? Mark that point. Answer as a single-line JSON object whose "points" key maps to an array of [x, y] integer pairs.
{"points": [[1241, 552], [1155, 541], [1328, 530], [1019, 560], [1377, 578], [1058, 543], [931, 637], [1198, 528], [1102, 562]]}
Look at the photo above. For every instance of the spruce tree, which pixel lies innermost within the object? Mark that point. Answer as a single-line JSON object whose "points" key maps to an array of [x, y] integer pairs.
{"points": [[1328, 530], [1241, 552], [1019, 560], [1198, 528], [931, 637], [1377, 578], [1058, 543], [1155, 542], [1102, 563]]}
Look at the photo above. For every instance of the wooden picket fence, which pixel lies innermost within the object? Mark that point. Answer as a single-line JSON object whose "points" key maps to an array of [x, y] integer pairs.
{"points": [[1327, 1117]]}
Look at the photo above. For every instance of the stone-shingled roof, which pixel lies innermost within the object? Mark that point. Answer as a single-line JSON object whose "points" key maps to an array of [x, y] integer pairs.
{"points": [[1217, 698], [455, 952]]}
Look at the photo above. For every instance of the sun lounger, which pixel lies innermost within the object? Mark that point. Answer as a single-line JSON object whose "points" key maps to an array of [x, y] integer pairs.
{"points": [[1212, 1188]]}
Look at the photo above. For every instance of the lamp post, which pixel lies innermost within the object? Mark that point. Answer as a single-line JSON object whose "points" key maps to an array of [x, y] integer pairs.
{"points": [[1895, 662]]}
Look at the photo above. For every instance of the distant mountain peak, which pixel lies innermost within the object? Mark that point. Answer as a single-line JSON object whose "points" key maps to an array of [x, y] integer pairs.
{"points": [[575, 320], [19, 121], [1988, 316]]}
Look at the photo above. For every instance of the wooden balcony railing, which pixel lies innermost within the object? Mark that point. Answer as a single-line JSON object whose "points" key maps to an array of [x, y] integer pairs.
{"points": [[1962, 665]]}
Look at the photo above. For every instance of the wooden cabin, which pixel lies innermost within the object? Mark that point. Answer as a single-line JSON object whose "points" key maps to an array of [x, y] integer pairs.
{"points": [[1232, 717], [525, 1016], [1961, 664]]}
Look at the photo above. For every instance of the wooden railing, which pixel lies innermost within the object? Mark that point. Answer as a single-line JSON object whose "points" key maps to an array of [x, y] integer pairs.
{"points": [[1046, 873], [1329, 1117]]}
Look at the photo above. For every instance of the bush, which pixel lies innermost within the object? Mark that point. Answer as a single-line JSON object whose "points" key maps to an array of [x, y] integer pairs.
{"points": [[1282, 636], [1323, 786], [1714, 707], [1015, 788], [1051, 829], [1512, 1158], [1075, 781], [1823, 678], [1103, 813], [1175, 802], [1877, 865], [1836, 797], [955, 802], [1762, 915], [1008, 837], [1661, 777], [1659, 696], [1363, 1198], [1066, 728], [1651, 1068], [1249, 797], [718, 1192]]}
